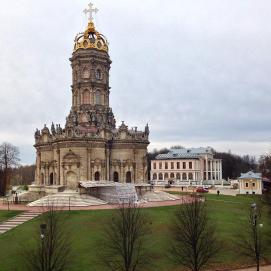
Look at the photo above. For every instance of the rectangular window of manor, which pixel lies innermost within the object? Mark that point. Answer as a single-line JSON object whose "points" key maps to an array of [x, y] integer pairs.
{"points": [[246, 184], [178, 165], [166, 165], [253, 184], [172, 165], [184, 165], [160, 165], [190, 165], [154, 165]]}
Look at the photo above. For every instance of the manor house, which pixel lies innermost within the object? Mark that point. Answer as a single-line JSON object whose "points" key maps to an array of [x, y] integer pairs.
{"points": [[190, 166]]}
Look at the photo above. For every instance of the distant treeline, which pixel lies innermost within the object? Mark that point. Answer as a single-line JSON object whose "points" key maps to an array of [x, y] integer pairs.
{"points": [[23, 175], [233, 165]]}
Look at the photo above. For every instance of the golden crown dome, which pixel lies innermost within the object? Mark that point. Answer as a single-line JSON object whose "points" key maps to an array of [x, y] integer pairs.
{"points": [[90, 39]]}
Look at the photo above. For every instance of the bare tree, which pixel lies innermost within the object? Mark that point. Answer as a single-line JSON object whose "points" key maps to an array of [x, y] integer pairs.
{"points": [[265, 165], [52, 251], [124, 242], [194, 241], [250, 243], [9, 157], [23, 175]]}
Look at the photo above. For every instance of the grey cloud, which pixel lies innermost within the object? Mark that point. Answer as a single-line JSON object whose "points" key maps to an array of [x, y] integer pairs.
{"points": [[195, 70]]}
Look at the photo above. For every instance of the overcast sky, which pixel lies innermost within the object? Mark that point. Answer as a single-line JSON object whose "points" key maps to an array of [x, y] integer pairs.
{"points": [[198, 71]]}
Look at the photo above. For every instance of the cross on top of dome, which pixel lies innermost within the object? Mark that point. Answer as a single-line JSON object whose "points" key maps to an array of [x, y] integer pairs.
{"points": [[90, 38], [90, 11]]}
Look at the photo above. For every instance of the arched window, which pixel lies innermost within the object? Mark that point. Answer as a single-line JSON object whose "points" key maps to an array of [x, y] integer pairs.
{"points": [[154, 176], [51, 178], [160, 176], [190, 176], [184, 176], [97, 176], [166, 176], [86, 97], [98, 74], [128, 177], [171, 175], [178, 176], [116, 176], [42, 178], [86, 73], [98, 97]]}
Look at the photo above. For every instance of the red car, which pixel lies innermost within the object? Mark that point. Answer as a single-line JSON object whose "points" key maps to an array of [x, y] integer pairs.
{"points": [[202, 190]]}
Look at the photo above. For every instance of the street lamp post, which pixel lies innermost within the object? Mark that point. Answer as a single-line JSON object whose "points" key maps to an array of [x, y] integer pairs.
{"points": [[256, 238], [42, 237]]}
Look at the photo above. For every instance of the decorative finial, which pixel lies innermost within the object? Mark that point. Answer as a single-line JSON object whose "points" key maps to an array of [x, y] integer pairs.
{"points": [[90, 10]]}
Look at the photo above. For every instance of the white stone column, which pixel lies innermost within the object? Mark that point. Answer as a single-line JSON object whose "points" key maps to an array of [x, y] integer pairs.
{"points": [[38, 169], [206, 170], [220, 170], [211, 172], [201, 168], [215, 169]]}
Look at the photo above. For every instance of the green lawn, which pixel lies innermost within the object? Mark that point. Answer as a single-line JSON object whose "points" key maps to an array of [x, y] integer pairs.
{"points": [[4, 215], [228, 213]]}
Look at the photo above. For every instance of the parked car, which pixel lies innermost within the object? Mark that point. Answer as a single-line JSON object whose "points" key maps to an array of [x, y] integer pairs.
{"points": [[202, 190]]}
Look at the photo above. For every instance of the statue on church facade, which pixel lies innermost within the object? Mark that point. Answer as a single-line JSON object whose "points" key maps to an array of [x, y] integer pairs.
{"points": [[53, 130]]}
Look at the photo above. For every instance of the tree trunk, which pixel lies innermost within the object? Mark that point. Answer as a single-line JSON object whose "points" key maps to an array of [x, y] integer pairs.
{"points": [[5, 181]]}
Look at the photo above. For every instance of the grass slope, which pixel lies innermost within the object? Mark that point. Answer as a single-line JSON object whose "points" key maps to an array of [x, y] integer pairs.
{"points": [[4, 215], [228, 213]]}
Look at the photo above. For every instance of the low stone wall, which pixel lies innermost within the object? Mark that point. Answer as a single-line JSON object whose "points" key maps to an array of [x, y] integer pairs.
{"points": [[50, 189], [112, 192]]}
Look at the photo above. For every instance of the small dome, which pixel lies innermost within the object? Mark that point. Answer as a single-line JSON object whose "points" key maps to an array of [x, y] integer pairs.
{"points": [[90, 39]]}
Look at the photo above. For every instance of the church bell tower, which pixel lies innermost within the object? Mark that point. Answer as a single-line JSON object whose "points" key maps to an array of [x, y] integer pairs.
{"points": [[90, 81], [90, 147]]}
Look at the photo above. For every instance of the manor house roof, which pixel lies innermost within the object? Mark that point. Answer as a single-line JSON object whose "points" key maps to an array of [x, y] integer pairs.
{"points": [[192, 153], [251, 175]]}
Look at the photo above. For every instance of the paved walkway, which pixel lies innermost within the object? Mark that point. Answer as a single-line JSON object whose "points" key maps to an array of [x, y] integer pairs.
{"points": [[262, 268], [22, 207], [18, 220]]}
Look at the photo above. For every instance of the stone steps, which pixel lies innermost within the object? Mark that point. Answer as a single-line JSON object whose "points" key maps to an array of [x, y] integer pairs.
{"points": [[159, 196], [63, 199], [17, 220]]}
